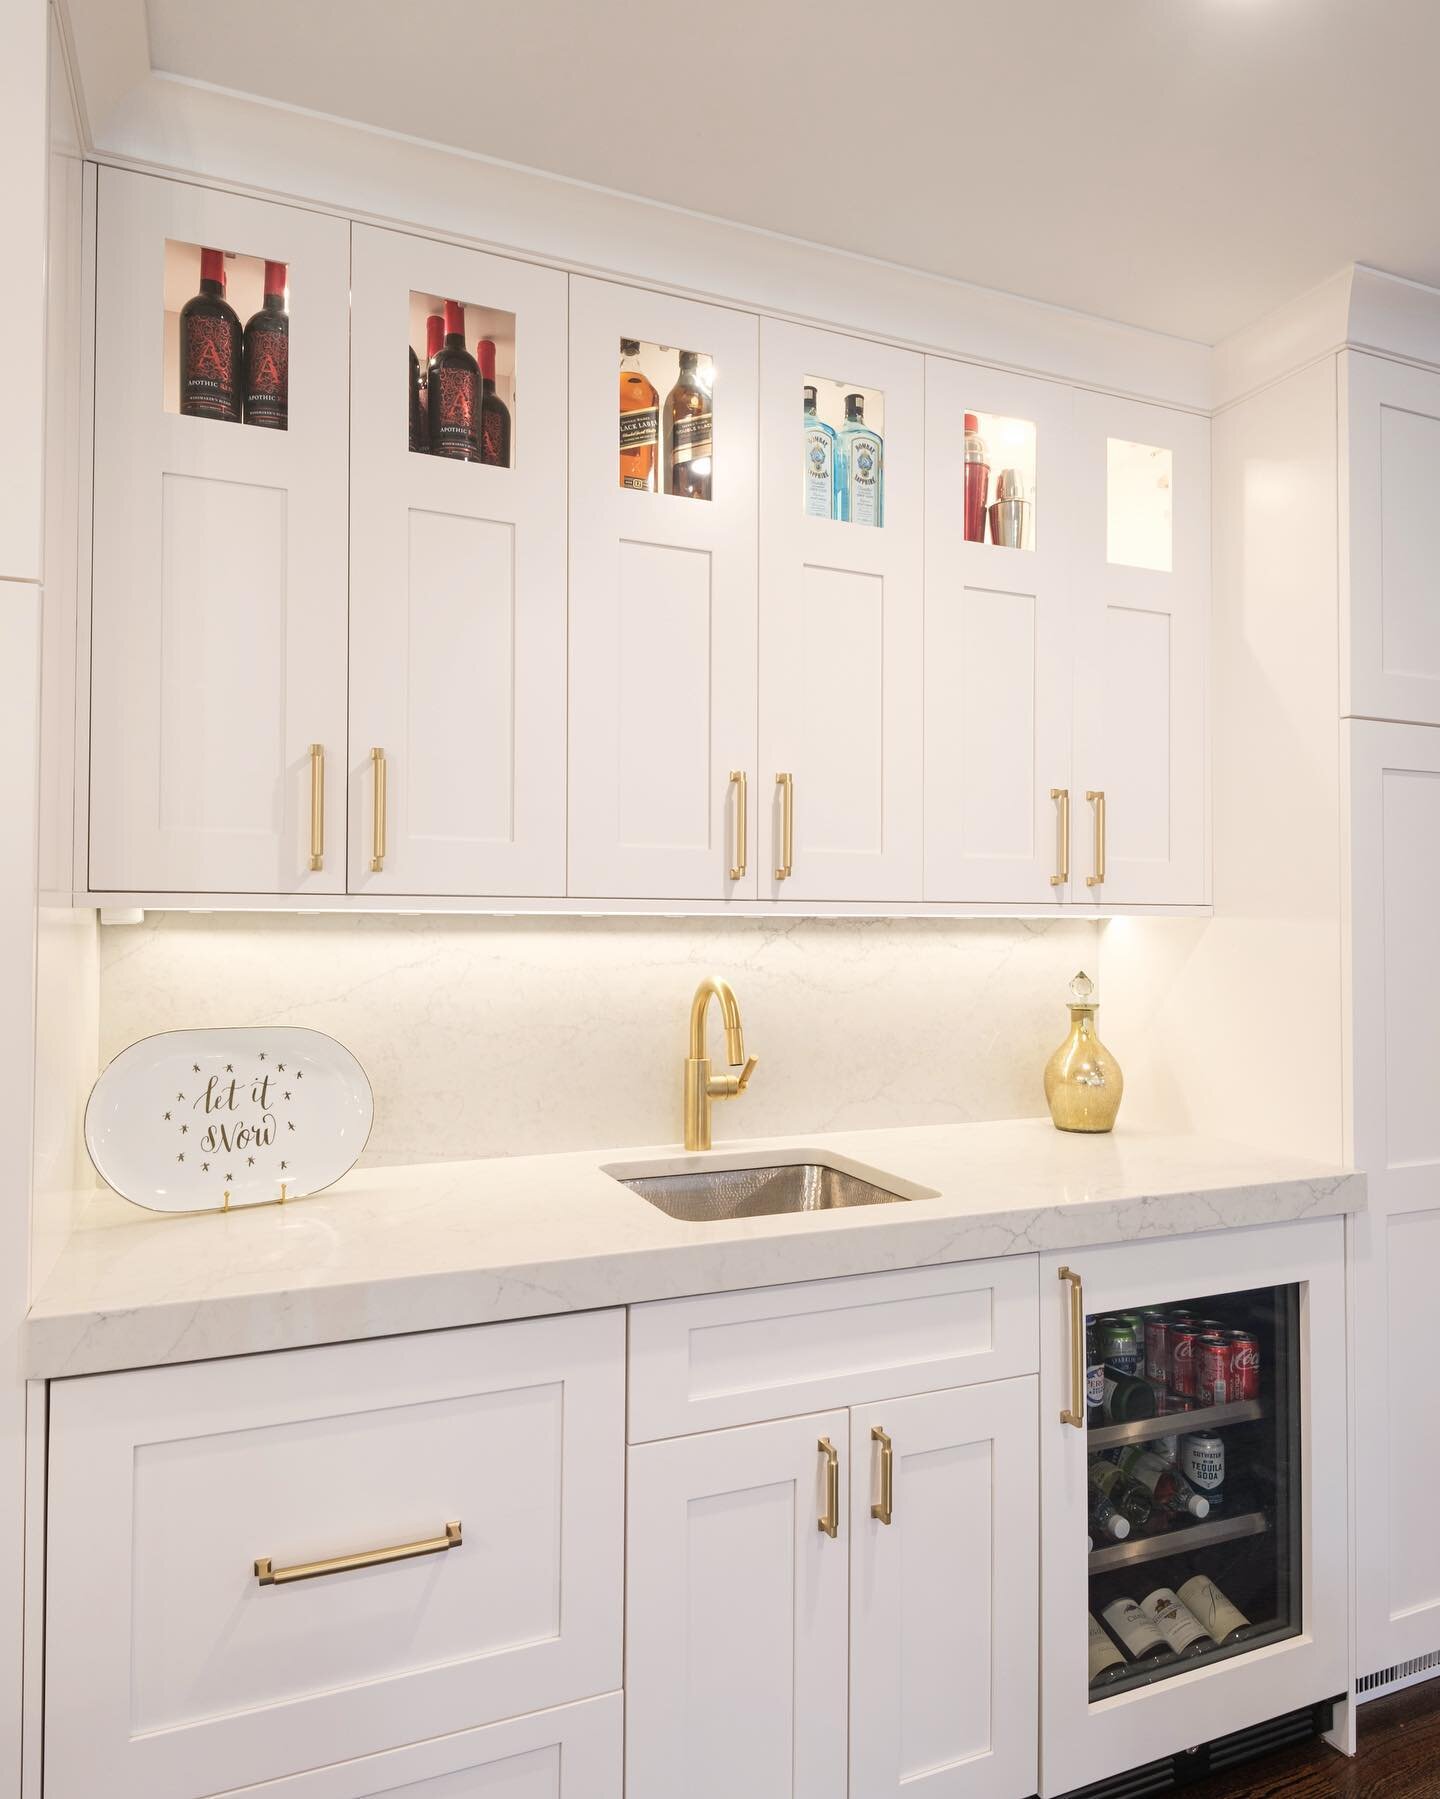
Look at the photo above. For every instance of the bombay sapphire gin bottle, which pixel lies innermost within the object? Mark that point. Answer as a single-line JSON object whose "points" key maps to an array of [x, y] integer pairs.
{"points": [[821, 492], [862, 467]]}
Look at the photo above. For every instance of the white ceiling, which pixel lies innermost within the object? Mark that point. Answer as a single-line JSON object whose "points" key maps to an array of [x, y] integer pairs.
{"points": [[1180, 164]]}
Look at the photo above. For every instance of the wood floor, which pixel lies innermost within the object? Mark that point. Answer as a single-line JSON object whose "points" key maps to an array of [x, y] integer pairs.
{"points": [[1399, 1759]]}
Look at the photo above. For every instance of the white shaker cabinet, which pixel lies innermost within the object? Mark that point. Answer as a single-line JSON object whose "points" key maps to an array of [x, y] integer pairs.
{"points": [[1141, 558], [841, 634], [217, 732], [457, 591], [662, 800]]}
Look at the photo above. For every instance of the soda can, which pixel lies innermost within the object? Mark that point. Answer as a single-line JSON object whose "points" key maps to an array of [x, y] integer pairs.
{"points": [[1157, 1349], [1214, 1384], [1119, 1345], [1210, 1327], [1184, 1374], [1244, 1364], [1202, 1462]]}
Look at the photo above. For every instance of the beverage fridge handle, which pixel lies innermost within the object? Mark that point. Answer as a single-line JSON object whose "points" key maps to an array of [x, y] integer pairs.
{"points": [[1074, 1413]]}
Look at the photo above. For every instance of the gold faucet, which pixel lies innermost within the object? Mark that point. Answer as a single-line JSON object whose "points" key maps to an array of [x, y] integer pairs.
{"points": [[700, 1085]]}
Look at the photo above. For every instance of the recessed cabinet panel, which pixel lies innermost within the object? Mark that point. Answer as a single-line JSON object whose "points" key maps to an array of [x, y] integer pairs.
{"points": [[841, 638], [662, 598], [1138, 654], [457, 585], [218, 617]]}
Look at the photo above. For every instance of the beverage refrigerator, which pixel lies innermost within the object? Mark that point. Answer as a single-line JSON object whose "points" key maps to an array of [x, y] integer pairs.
{"points": [[1194, 1530]]}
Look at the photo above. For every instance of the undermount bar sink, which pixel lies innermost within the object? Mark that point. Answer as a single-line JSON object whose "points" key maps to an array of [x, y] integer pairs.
{"points": [[703, 1196]]}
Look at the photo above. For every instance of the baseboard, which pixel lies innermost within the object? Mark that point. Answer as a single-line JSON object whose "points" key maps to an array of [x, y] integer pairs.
{"points": [[1395, 1679]]}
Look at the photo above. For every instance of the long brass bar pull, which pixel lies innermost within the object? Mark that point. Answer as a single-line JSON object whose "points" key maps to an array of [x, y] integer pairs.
{"points": [[786, 784], [884, 1507], [1096, 797], [1061, 877], [829, 1520], [317, 807], [742, 822], [1074, 1413], [270, 1576], [377, 841]]}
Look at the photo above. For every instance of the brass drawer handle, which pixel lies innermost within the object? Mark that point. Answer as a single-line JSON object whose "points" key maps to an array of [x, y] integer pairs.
{"points": [[1074, 1413], [1061, 877], [884, 1509], [742, 822], [270, 1576], [377, 842], [829, 1520], [317, 807], [786, 784], [1096, 797]]}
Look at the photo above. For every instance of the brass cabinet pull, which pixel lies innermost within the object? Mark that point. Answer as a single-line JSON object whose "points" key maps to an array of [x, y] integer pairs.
{"points": [[317, 807], [377, 842], [1096, 797], [884, 1509], [1074, 1413], [270, 1576], [786, 784], [1061, 877], [829, 1520], [742, 822]]}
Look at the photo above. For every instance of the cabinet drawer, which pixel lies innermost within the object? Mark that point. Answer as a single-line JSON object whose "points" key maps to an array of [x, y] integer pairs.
{"points": [[740, 1358], [172, 1672]]}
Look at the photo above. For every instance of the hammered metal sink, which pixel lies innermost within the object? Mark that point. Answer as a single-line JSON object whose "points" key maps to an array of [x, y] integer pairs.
{"points": [[704, 1196]]}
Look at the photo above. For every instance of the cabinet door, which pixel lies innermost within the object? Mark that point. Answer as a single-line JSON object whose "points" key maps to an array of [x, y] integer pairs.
{"points": [[218, 633], [1275, 1537], [1390, 472], [945, 1594], [841, 629], [999, 644], [1395, 994], [736, 1629], [1142, 571], [662, 615], [457, 590]]}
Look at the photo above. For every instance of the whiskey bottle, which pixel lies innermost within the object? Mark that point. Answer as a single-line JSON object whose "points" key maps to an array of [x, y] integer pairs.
{"points": [[211, 347], [453, 385], [494, 413], [689, 432], [639, 420], [862, 467], [820, 448], [267, 356]]}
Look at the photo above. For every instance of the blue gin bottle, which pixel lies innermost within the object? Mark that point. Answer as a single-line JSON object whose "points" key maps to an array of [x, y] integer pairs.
{"points": [[821, 486], [862, 467]]}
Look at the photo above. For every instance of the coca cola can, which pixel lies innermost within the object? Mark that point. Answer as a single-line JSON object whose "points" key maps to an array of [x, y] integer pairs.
{"points": [[1210, 1327], [1184, 1375], [1157, 1349], [1214, 1382], [1244, 1364]]}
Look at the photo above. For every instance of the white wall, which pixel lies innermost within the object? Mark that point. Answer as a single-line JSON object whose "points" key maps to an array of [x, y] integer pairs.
{"points": [[508, 1036]]}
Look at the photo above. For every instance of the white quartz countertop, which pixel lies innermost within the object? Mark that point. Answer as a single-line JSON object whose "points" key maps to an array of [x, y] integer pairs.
{"points": [[390, 1250]]}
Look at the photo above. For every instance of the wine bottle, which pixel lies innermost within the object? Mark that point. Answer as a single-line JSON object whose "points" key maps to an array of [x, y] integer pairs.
{"points": [[494, 413], [1220, 1617], [1139, 1638], [267, 356], [1107, 1663], [211, 347], [1179, 1626], [417, 413], [454, 390]]}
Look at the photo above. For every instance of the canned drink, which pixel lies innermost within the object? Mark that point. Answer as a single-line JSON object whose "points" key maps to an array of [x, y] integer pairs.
{"points": [[1202, 1462], [1214, 1384], [1244, 1364], [1119, 1345], [1210, 1327], [1184, 1374], [1157, 1349]]}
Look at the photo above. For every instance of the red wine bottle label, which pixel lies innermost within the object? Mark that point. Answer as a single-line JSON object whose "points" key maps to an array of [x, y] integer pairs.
{"points": [[454, 404], [208, 383], [267, 378]]}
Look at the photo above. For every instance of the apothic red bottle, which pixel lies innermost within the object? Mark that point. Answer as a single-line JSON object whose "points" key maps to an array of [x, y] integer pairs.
{"points": [[454, 392], [267, 356], [211, 353], [494, 413]]}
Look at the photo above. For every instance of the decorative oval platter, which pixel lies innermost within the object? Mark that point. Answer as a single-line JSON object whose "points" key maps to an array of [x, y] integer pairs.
{"points": [[180, 1120]]}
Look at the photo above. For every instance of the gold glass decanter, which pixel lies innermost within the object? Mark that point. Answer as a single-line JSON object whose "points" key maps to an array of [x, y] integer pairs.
{"points": [[1083, 1082]]}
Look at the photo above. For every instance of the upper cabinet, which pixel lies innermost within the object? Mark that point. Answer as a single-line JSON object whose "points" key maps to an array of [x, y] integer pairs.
{"points": [[1390, 471], [457, 572], [218, 736]]}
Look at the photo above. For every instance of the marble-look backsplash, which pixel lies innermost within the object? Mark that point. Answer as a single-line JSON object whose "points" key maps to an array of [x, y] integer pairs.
{"points": [[487, 1037]]}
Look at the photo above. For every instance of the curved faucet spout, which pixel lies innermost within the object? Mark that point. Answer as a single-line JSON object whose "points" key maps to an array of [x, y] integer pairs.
{"points": [[713, 987], [702, 1087]]}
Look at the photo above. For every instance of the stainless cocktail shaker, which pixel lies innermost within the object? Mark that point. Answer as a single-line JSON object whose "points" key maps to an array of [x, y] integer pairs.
{"points": [[1009, 512]]}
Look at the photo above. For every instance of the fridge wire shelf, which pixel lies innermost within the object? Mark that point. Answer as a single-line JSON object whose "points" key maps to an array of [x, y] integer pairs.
{"points": [[1183, 1540]]}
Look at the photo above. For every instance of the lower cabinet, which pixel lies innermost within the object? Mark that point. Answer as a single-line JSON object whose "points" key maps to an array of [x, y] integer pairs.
{"points": [[845, 1600]]}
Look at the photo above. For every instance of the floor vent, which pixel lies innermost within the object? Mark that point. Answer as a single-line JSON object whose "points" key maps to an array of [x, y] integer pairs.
{"points": [[1176, 1772], [1370, 1686]]}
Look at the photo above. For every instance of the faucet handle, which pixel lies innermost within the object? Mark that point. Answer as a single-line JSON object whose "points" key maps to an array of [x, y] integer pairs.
{"points": [[745, 1073], [730, 1086]]}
